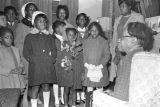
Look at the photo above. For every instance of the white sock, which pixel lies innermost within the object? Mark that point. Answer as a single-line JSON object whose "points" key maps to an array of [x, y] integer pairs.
{"points": [[34, 102], [55, 90], [78, 96], [62, 92], [82, 95], [46, 98]]}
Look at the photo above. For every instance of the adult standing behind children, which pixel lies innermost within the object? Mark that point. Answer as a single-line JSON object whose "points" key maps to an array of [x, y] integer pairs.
{"points": [[127, 15], [62, 14], [24, 28]]}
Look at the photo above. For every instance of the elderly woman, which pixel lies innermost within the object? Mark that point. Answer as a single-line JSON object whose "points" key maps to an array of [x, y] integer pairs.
{"points": [[127, 16], [137, 38]]}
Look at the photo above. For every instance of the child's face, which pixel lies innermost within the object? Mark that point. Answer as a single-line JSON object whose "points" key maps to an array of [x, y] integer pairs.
{"points": [[94, 32], [30, 10], [81, 21], [71, 37], [62, 14], [11, 16], [41, 24], [3, 21], [7, 39], [60, 29]]}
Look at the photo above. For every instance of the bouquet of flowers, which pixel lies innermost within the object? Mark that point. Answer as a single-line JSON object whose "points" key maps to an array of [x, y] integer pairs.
{"points": [[66, 63]]}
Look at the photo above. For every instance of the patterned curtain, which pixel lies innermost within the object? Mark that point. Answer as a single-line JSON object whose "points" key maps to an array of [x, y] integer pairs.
{"points": [[43, 5], [73, 9]]}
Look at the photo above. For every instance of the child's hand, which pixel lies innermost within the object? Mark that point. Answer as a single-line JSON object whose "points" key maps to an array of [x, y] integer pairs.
{"points": [[17, 71]]}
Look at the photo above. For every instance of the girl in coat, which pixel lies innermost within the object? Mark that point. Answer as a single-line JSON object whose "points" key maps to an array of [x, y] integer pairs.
{"points": [[96, 54], [11, 67], [58, 31], [40, 51], [71, 62], [82, 21]]}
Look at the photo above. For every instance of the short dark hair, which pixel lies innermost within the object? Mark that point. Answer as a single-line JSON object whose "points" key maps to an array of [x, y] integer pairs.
{"points": [[98, 26], [42, 16], [71, 29], [142, 33], [3, 30], [2, 13], [65, 8], [130, 3], [56, 24], [7, 8], [85, 16]]}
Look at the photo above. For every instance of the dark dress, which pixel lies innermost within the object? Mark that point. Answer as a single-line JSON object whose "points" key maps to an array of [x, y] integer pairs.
{"points": [[40, 51], [59, 71], [78, 67], [73, 77]]}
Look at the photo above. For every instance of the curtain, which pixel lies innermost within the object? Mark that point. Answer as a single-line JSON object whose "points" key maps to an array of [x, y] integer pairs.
{"points": [[4, 3], [73, 9], [151, 7], [107, 8], [43, 5]]}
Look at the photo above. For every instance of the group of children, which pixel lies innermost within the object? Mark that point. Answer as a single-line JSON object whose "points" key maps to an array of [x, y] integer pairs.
{"points": [[71, 59]]}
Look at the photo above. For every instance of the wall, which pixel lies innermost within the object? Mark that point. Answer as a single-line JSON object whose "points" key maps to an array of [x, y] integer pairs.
{"points": [[92, 8]]}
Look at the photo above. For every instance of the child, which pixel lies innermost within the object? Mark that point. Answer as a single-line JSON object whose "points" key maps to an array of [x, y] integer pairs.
{"points": [[71, 79], [82, 21], [58, 32], [11, 67], [40, 51], [96, 55], [12, 18], [2, 19]]}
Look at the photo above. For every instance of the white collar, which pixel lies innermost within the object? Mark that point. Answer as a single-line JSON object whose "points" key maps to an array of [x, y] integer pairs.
{"points": [[35, 31], [81, 29], [59, 37]]}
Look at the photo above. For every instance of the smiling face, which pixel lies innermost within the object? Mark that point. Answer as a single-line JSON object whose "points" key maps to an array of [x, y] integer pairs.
{"points": [[81, 21], [62, 14], [125, 9], [41, 23], [7, 39], [94, 32]]}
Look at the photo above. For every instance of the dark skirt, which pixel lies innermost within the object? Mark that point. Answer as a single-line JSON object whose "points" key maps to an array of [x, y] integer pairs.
{"points": [[41, 71]]}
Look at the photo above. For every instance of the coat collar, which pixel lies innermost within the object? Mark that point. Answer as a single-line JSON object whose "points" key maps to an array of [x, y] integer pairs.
{"points": [[35, 31]]}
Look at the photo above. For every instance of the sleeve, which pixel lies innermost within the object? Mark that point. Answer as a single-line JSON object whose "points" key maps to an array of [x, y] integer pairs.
{"points": [[27, 49], [54, 50], [139, 18], [18, 36], [106, 55], [84, 54], [3, 70]]}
